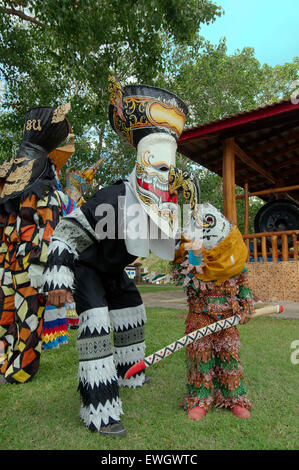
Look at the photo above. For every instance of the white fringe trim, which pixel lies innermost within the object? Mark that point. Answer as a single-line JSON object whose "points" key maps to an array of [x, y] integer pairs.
{"points": [[60, 245], [95, 319], [80, 217], [100, 416], [124, 318], [132, 382], [57, 277], [97, 371], [129, 354]]}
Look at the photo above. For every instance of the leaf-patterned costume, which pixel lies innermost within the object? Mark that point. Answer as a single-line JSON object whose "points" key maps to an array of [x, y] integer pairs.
{"points": [[215, 374]]}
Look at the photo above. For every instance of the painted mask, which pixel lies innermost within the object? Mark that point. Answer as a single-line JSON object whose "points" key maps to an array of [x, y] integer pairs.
{"points": [[218, 226], [151, 120]]}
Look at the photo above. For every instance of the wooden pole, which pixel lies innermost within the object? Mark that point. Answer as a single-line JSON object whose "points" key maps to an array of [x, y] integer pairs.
{"points": [[246, 213], [264, 249], [274, 248], [228, 175], [285, 247], [269, 234], [255, 250], [295, 246], [284, 189]]}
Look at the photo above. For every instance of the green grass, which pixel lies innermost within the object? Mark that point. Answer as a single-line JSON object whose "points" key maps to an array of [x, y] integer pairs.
{"points": [[155, 287], [44, 414]]}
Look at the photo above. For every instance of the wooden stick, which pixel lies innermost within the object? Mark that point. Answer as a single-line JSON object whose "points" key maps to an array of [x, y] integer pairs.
{"points": [[268, 310], [264, 250], [255, 250], [284, 189], [195, 335], [269, 234]]}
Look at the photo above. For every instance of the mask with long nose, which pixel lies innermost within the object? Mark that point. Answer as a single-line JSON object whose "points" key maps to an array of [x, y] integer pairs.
{"points": [[155, 156], [151, 120]]}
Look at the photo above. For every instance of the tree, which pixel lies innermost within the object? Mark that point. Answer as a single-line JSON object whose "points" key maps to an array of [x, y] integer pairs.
{"points": [[55, 50], [216, 85]]}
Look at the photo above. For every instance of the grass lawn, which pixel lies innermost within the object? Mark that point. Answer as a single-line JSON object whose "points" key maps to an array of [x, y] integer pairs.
{"points": [[155, 287], [44, 414]]}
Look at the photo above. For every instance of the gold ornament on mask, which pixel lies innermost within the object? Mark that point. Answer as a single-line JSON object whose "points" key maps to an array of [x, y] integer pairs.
{"points": [[18, 179], [115, 92], [184, 182], [60, 112], [4, 168]]}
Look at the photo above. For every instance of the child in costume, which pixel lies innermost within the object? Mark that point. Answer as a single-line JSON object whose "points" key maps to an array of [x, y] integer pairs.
{"points": [[212, 272], [32, 206]]}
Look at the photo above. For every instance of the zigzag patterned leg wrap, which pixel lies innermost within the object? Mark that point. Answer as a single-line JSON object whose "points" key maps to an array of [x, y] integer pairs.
{"points": [[98, 384], [129, 346]]}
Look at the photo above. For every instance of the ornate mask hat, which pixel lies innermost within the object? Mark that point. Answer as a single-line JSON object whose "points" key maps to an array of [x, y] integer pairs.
{"points": [[151, 120], [44, 129], [46, 126]]}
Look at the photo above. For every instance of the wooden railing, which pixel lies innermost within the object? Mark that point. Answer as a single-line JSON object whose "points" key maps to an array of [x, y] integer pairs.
{"points": [[265, 245]]}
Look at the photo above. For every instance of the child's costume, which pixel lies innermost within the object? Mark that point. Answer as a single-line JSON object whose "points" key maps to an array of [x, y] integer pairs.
{"points": [[217, 288]]}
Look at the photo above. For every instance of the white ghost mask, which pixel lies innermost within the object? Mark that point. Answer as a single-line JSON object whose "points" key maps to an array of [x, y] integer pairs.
{"points": [[219, 226]]}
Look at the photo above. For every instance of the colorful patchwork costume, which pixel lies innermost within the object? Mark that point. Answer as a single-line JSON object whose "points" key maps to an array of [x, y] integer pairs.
{"points": [[56, 320], [91, 247], [217, 287], [31, 207]]}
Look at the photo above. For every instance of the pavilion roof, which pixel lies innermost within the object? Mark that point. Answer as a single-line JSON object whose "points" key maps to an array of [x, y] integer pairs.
{"points": [[266, 146]]}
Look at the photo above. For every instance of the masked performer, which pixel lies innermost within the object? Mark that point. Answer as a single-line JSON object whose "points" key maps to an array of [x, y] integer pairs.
{"points": [[32, 206], [215, 280], [91, 247]]}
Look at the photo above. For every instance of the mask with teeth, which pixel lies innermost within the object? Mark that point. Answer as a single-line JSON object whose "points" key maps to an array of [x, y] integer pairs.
{"points": [[156, 154], [151, 120], [218, 226]]}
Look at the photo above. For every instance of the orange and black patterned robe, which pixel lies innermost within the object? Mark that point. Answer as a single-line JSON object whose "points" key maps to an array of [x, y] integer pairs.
{"points": [[24, 245]]}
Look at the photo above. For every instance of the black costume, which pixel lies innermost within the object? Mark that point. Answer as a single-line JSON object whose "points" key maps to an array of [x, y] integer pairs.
{"points": [[83, 261], [80, 260]]}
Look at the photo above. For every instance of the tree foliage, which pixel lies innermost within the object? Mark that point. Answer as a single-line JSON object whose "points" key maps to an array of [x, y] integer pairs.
{"points": [[58, 50]]}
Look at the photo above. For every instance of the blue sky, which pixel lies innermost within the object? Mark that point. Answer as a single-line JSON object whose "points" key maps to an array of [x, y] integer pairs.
{"points": [[271, 27]]}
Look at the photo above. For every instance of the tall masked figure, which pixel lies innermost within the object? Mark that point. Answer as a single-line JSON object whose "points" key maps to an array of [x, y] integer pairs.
{"points": [[91, 248], [30, 207]]}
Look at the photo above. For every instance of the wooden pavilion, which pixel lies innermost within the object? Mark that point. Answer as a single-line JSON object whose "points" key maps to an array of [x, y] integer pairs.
{"points": [[257, 150]]}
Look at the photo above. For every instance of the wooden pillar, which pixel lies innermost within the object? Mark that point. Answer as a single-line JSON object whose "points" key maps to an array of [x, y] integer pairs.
{"points": [[228, 175], [246, 212]]}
